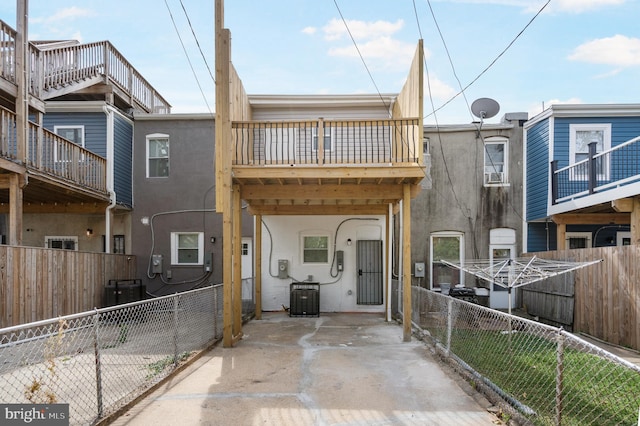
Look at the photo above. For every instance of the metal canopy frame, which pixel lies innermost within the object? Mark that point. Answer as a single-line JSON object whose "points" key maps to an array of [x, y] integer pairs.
{"points": [[514, 273]]}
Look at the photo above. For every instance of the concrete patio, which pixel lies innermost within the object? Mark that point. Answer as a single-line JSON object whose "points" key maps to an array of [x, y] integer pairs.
{"points": [[337, 369]]}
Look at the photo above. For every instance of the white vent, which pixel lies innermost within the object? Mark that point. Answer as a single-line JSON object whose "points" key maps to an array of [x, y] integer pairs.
{"points": [[494, 177]]}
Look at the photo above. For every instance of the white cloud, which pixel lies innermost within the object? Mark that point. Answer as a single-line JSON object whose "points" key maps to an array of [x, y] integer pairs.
{"points": [[439, 90], [360, 30], [309, 30], [67, 14], [531, 6], [580, 6], [618, 50], [374, 41]]}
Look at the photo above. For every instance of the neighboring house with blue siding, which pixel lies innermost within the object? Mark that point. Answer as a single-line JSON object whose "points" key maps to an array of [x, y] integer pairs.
{"points": [[582, 177], [66, 158]]}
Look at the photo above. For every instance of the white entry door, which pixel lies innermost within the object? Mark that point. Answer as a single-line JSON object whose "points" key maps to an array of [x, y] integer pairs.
{"points": [[498, 295]]}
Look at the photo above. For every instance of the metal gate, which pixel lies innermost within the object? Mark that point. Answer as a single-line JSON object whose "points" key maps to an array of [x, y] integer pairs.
{"points": [[370, 272]]}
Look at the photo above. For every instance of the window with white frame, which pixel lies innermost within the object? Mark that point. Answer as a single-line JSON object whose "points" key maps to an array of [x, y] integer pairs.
{"points": [[496, 154], [61, 242], [577, 240], [327, 138], [62, 151], [157, 155], [580, 136], [315, 249], [446, 246], [187, 248]]}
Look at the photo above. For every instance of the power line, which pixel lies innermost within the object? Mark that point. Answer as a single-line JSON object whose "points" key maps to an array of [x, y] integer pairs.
{"points": [[197, 42], [188, 59], [492, 62], [360, 54]]}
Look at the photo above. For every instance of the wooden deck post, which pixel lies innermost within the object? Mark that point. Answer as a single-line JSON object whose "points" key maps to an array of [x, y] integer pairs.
{"points": [[15, 209], [257, 249], [561, 236], [237, 264], [635, 221], [406, 263]]}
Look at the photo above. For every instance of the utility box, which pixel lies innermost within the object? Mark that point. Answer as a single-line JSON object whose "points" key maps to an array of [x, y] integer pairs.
{"points": [[419, 270], [117, 292], [304, 300], [156, 264], [283, 268]]}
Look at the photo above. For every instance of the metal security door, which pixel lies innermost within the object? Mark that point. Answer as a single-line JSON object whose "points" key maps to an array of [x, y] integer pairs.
{"points": [[370, 272]]}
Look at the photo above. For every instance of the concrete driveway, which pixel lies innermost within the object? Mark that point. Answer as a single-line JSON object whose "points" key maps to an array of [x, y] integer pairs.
{"points": [[338, 369]]}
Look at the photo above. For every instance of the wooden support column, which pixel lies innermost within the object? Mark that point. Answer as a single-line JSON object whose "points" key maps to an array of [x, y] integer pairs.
{"points": [[15, 209], [635, 221], [257, 250], [406, 263], [22, 81], [561, 236], [223, 166], [237, 264]]}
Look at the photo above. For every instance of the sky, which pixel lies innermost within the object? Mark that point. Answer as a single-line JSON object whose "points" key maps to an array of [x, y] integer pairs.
{"points": [[525, 54]]}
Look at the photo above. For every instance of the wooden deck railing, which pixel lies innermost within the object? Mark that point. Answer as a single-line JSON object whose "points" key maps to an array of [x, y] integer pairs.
{"points": [[53, 155], [324, 142], [53, 69], [600, 172]]}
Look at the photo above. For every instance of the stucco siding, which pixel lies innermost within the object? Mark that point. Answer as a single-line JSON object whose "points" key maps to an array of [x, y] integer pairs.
{"points": [[537, 170]]}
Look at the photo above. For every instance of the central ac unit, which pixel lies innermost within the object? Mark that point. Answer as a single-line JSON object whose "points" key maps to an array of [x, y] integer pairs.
{"points": [[494, 177]]}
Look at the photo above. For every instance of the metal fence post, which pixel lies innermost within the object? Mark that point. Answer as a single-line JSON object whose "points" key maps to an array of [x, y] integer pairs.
{"points": [[175, 330], [449, 323], [559, 376], [96, 351]]}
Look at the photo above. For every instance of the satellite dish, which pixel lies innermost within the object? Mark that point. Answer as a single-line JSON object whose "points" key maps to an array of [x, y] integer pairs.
{"points": [[485, 108]]}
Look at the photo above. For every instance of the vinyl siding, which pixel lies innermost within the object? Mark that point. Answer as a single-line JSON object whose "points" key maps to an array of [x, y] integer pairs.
{"points": [[537, 170], [122, 164], [95, 128], [541, 236]]}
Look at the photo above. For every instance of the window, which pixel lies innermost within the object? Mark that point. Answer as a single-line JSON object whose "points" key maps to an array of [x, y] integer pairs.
{"points": [[157, 155], [187, 248], [623, 238], [117, 245], [495, 161], [577, 240], [580, 136], [328, 139], [315, 249], [446, 246], [62, 151], [65, 243]]}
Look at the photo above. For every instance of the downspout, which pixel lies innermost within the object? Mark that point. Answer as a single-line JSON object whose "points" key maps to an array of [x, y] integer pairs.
{"points": [[112, 194]]}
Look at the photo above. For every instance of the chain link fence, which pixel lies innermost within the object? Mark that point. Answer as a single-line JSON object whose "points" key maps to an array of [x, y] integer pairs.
{"points": [[99, 361], [540, 375]]}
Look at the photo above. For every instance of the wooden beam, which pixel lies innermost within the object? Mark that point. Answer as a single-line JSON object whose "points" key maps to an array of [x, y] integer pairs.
{"points": [[15, 210], [406, 265], [635, 221], [302, 210], [591, 218], [257, 249], [12, 167], [400, 171], [561, 236], [324, 192], [73, 208], [623, 205]]}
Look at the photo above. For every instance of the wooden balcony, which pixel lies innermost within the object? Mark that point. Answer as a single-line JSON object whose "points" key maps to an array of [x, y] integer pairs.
{"points": [[339, 166], [59, 171], [602, 177], [74, 68]]}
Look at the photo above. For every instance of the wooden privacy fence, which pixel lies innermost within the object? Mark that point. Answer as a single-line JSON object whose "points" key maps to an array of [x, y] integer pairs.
{"points": [[38, 283], [606, 295]]}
